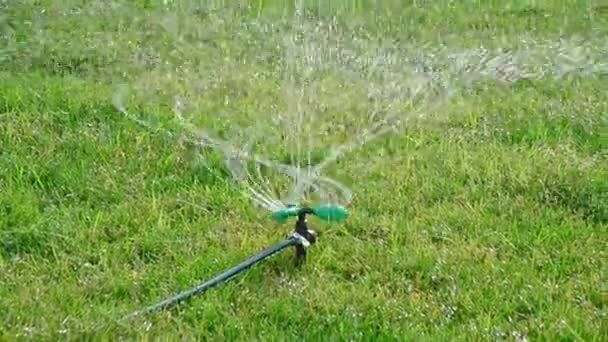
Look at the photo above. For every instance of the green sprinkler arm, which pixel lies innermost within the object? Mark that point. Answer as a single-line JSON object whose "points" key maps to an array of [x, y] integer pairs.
{"points": [[331, 213]]}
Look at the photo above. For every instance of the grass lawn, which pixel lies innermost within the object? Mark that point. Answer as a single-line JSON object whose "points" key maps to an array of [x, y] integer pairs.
{"points": [[483, 217]]}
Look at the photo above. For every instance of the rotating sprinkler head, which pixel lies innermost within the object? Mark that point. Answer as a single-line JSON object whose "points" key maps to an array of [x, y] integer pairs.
{"points": [[302, 238], [326, 212]]}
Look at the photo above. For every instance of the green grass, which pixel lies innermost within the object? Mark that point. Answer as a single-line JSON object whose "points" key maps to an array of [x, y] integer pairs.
{"points": [[488, 223]]}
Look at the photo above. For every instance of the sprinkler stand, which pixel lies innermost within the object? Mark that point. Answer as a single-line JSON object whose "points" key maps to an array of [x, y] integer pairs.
{"points": [[301, 238]]}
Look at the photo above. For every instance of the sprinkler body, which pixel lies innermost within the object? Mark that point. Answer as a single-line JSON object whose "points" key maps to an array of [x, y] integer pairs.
{"points": [[306, 233]]}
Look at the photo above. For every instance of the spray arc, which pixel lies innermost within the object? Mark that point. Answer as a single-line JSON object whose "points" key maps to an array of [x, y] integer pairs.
{"points": [[301, 238]]}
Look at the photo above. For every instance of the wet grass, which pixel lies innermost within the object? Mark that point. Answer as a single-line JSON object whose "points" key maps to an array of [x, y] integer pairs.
{"points": [[489, 224]]}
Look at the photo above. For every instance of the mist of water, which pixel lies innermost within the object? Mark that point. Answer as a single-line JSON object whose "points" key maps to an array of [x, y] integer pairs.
{"points": [[327, 92]]}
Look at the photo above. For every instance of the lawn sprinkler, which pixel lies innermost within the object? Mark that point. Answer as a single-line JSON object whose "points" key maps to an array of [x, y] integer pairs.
{"points": [[301, 238]]}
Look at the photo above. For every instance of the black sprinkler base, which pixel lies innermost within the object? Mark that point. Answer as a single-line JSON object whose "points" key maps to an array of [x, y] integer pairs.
{"points": [[301, 238]]}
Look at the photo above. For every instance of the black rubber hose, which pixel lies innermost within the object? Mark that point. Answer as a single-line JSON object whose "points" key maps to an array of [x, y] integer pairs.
{"points": [[224, 276]]}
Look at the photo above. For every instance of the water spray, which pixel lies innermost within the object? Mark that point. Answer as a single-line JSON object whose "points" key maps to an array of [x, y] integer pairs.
{"points": [[301, 238]]}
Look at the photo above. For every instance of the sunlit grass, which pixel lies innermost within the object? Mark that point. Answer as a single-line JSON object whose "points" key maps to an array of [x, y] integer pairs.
{"points": [[486, 220]]}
